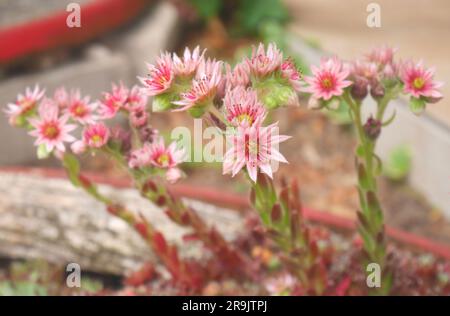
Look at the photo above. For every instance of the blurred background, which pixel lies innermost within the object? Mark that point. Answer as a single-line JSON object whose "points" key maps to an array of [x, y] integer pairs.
{"points": [[117, 37]]}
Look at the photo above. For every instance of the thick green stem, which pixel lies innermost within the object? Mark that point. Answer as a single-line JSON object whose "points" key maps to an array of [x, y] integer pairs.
{"points": [[281, 215], [371, 222]]}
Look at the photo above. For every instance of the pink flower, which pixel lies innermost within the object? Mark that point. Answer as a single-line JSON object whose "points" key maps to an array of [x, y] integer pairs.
{"points": [[49, 129], [263, 63], [114, 101], [382, 55], [239, 76], [281, 285], [24, 105], [61, 97], [136, 99], [160, 77], [254, 147], [94, 136], [290, 72], [364, 69], [242, 107], [204, 87], [187, 66], [157, 154], [80, 109], [328, 79], [419, 81], [138, 117], [173, 175]]}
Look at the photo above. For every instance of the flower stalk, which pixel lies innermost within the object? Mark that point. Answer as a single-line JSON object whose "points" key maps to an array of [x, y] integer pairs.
{"points": [[282, 216], [370, 217], [183, 273]]}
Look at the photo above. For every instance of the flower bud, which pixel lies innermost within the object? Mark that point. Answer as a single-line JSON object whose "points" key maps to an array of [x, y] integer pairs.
{"points": [[148, 134], [359, 88], [372, 128], [276, 213], [161, 103], [377, 91], [122, 138]]}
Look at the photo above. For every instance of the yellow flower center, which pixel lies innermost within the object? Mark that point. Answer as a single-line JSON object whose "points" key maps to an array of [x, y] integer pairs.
{"points": [[163, 159], [418, 83], [327, 83], [96, 139], [51, 132], [245, 118], [80, 110]]}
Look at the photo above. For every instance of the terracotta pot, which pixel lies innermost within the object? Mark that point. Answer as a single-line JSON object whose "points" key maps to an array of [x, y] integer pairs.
{"points": [[241, 204]]}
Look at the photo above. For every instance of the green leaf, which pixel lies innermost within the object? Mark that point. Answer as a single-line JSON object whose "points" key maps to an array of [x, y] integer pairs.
{"points": [[161, 103], [207, 9], [362, 201], [378, 166], [70, 162], [417, 106], [42, 152], [390, 120], [360, 151], [369, 243], [363, 179], [251, 14], [196, 111]]}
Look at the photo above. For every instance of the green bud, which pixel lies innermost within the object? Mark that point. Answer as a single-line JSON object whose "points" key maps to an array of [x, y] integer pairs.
{"points": [[42, 152], [417, 106], [197, 111], [161, 103], [274, 95]]}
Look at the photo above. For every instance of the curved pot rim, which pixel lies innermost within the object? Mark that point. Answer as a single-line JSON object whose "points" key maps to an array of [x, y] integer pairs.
{"points": [[47, 33], [241, 204]]}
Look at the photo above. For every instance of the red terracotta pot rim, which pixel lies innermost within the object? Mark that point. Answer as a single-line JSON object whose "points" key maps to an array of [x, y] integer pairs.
{"points": [[49, 32], [240, 203]]}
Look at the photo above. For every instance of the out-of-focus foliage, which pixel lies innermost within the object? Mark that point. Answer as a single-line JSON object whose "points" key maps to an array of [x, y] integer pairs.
{"points": [[398, 164], [247, 16], [252, 15], [39, 278], [207, 9]]}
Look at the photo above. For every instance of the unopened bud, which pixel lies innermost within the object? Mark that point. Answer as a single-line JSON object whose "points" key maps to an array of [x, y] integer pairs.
{"points": [[372, 128], [147, 134], [377, 91], [359, 88], [276, 213]]}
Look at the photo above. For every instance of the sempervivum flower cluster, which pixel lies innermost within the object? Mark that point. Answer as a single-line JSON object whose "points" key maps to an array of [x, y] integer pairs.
{"points": [[197, 84], [156, 154], [192, 82], [251, 145], [172, 76], [277, 80], [328, 80], [53, 121], [25, 106], [379, 74]]}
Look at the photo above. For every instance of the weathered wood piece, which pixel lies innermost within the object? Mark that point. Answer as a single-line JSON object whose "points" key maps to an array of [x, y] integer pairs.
{"points": [[49, 218]]}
